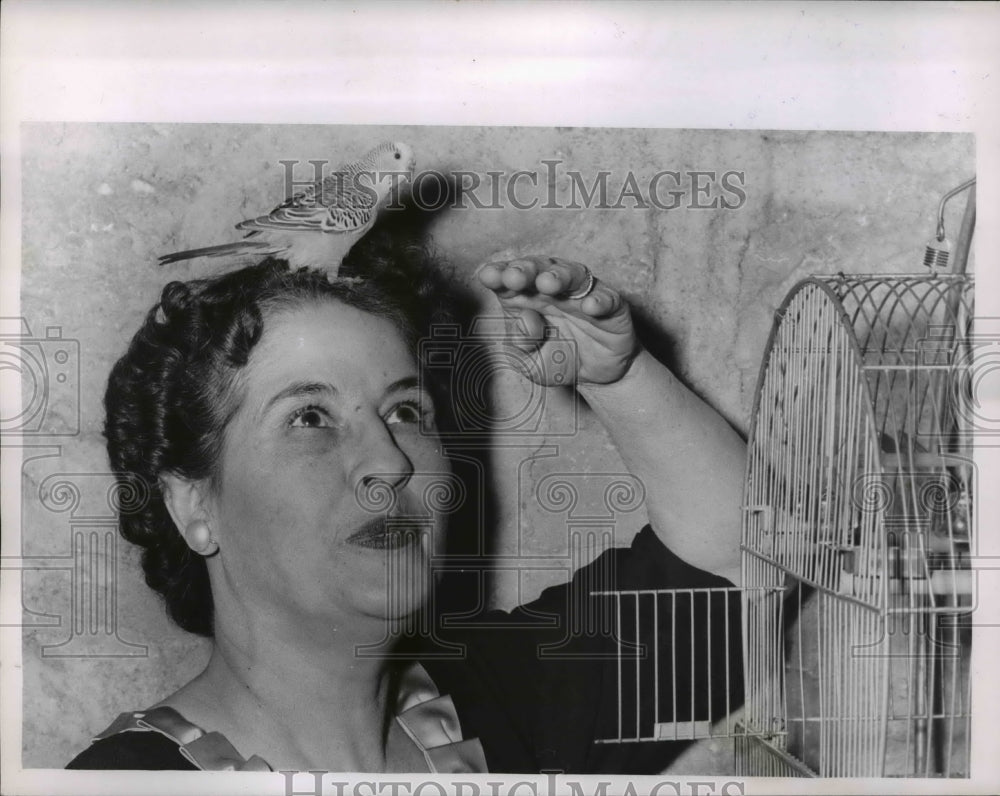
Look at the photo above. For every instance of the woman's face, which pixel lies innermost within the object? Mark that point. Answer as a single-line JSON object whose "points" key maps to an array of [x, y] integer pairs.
{"points": [[318, 507]]}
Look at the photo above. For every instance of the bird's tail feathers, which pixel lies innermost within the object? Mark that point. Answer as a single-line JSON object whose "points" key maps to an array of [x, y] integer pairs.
{"points": [[222, 250]]}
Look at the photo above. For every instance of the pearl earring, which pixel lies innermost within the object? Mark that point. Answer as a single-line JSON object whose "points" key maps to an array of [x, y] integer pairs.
{"points": [[199, 537]]}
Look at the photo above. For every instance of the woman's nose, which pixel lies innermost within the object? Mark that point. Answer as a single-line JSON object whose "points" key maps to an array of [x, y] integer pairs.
{"points": [[382, 470]]}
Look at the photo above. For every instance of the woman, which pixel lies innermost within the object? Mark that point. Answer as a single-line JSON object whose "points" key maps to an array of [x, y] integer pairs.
{"points": [[285, 429]]}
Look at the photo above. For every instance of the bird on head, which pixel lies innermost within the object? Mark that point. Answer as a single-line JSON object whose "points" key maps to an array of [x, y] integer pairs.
{"points": [[318, 226]]}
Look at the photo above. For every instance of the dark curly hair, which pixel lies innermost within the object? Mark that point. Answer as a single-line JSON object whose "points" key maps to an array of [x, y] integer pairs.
{"points": [[171, 396]]}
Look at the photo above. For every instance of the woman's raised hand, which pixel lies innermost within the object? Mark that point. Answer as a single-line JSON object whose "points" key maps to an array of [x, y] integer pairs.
{"points": [[549, 302]]}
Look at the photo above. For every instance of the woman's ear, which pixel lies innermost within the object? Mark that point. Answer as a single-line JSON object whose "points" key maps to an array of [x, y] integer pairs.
{"points": [[187, 502]]}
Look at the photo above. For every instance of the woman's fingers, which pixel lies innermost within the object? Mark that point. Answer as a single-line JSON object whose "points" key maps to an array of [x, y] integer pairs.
{"points": [[508, 279], [525, 328], [552, 277], [602, 302], [519, 276], [547, 300], [561, 278], [491, 276], [549, 276], [547, 285]]}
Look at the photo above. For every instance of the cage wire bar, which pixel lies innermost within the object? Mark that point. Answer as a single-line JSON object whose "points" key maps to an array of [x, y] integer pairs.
{"points": [[859, 509], [678, 666], [857, 536]]}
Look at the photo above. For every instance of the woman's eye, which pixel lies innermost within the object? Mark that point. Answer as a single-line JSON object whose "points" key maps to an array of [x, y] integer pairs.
{"points": [[311, 417], [407, 412]]}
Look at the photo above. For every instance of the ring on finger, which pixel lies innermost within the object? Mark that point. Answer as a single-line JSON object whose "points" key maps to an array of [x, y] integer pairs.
{"points": [[587, 289]]}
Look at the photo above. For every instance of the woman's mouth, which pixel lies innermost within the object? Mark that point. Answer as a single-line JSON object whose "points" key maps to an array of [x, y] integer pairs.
{"points": [[386, 533]]}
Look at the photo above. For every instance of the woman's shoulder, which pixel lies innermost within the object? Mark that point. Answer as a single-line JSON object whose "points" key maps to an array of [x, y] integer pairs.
{"points": [[162, 739], [148, 751]]}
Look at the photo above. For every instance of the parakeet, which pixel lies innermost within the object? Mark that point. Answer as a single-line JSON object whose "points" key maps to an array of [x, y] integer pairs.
{"points": [[318, 226]]}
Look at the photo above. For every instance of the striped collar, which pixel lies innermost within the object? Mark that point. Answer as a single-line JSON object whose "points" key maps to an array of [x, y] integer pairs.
{"points": [[428, 719]]}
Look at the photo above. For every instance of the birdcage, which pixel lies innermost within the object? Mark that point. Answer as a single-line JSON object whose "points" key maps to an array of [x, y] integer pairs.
{"points": [[857, 539], [857, 533], [858, 536]]}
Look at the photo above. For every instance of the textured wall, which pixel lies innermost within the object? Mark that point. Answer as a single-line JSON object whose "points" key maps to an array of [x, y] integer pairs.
{"points": [[100, 202]]}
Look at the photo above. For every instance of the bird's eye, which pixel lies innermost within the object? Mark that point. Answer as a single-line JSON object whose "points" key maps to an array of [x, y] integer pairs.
{"points": [[397, 156]]}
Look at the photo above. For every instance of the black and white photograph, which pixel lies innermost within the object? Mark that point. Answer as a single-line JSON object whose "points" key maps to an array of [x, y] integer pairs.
{"points": [[380, 449]]}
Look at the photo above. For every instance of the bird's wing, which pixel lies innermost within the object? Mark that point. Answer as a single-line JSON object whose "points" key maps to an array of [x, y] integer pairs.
{"points": [[336, 204]]}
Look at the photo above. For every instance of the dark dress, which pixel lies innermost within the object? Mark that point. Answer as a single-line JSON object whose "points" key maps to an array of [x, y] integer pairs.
{"points": [[546, 686]]}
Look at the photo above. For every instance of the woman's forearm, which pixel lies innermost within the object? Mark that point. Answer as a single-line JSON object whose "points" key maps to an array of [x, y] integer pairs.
{"points": [[689, 459]]}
